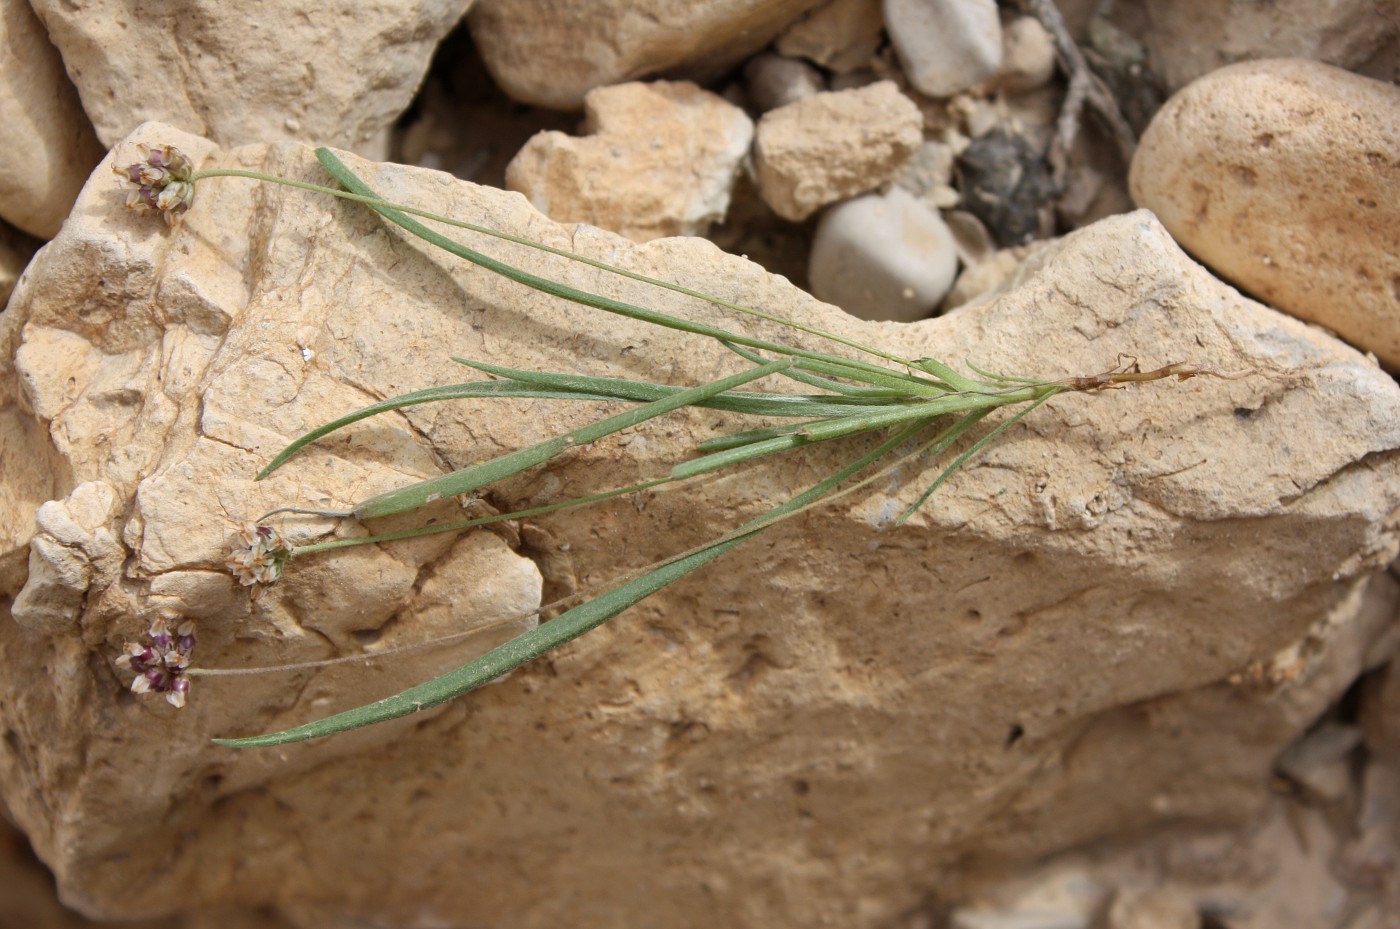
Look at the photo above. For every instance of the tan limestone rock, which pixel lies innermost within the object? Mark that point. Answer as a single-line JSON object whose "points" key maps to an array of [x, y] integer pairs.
{"points": [[552, 53], [47, 148], [1282, 176], [265, 71], [1187, 39], [834, 145], [654, 159], [841, 35], [1027, 664]]}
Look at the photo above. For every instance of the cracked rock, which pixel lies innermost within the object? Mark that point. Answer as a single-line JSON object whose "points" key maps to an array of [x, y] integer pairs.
{"points": [[242, 72], [1041, 656]]}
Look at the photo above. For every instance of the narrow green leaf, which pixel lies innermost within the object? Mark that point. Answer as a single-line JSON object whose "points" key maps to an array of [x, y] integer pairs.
{"points": [[543, 284], [823, 383], [564, 628], [477, 389], [976, 447], [737, 439], [837, 427], [488, 472], [765, 403]]}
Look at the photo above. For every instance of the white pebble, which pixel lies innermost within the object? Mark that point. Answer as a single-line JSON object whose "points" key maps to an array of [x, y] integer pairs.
{"points": [[945, 46], [883, 257]]}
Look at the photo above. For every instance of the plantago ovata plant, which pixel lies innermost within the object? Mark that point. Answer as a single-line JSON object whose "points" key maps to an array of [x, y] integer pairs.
{"points": [[916, 407]]}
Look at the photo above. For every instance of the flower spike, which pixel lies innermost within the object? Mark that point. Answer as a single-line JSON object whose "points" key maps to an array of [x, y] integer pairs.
{"points": [[257, 561], [163, 180], [160, 663]]}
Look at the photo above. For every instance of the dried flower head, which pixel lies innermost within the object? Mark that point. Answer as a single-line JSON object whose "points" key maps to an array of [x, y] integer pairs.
{"points": [[160, 662], [258, 558], [164, 182]]}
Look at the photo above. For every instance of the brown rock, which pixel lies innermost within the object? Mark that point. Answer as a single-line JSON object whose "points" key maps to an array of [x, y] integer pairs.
{"points": [[244, 72], [655, 159], [551, 53], [831, 146], [1028, 663], [47, 148], [1282, 176]]}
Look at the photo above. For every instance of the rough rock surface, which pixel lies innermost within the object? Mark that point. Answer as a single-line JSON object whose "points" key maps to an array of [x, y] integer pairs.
{"points": [[834, 145], [655, 159], [552, 53], [1283, 177], [257, 72], [1186, 39], [47, 148], [826, 730], [841, 35]]}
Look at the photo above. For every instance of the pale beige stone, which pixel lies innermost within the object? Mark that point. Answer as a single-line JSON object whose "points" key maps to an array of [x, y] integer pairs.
{"points": [[1187, 39], [841, 35], [47, 146], [1282, 176], [1041, 656], [834, 145], [1028, 56], [654, 159], [271, 70], [552, 53], [1152, 908]]}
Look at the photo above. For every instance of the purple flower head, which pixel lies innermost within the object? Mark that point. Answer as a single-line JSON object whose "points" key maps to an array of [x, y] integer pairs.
{"points": [[159, 664], [258, 558], [164, 182]]}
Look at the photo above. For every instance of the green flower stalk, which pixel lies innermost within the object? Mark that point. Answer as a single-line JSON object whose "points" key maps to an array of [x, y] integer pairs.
{"points": [[917, 407]]}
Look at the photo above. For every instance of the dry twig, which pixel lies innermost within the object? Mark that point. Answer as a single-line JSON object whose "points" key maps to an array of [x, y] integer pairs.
{"points": [[1084, 87]]}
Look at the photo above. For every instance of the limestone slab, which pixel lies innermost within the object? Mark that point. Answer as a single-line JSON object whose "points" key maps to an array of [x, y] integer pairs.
{"points": [[1056, 649]]}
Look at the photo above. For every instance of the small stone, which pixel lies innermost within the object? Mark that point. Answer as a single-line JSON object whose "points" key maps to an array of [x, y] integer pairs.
{"points": [[1319, 760], [834, 145], [773, 81], [1152, 908], [1062, 894], [883, 257], [47, 148], [1282, 176], [842, 36], [945, 46], [1005, 183], [1028, 56], [930, 175], [657, 159]]}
